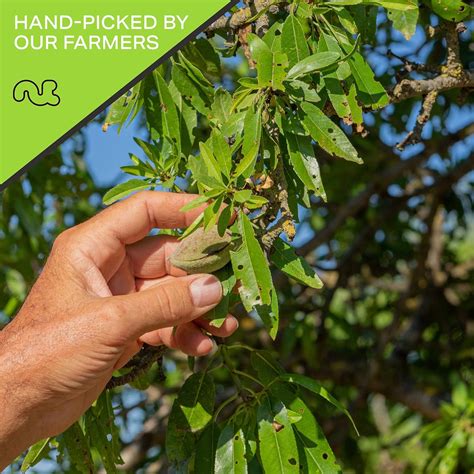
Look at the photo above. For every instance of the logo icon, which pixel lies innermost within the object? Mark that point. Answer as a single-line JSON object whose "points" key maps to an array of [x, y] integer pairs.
{"points": [[46, 95]]}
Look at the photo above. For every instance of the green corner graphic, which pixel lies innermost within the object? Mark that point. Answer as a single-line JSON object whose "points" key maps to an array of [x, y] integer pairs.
{"points": [[61, 61]]}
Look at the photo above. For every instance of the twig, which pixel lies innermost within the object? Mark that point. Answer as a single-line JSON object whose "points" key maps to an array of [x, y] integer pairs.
{"points": [[286, 221], [414, 136], [411, 66], [139, 365]]}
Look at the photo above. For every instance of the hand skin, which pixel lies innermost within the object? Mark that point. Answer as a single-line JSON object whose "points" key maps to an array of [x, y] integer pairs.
{"points": [[105, 290]]}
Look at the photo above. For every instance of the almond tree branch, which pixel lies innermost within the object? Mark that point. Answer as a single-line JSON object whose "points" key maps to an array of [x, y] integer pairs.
{"points": [[139, 365]]}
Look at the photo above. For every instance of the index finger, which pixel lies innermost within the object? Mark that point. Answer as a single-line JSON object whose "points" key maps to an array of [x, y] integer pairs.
{"points": [[101, 242], [131, 220]]}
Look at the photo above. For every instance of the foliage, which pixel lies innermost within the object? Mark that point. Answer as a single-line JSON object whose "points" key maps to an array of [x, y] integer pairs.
{"points": [[260, 141]]}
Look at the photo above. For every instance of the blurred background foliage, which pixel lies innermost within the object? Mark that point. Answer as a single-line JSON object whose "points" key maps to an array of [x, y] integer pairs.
{"points": [[391, 334]]}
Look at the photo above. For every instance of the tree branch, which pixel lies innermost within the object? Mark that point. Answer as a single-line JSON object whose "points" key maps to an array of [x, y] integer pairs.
{"points": [[409, 88], [139, 365]]}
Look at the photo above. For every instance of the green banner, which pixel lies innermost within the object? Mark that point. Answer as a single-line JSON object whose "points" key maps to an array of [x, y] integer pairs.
{"points": [[62, 62]]}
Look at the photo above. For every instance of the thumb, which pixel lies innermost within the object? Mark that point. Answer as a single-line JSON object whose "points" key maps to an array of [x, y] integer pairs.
{"points": [[168, 304]]}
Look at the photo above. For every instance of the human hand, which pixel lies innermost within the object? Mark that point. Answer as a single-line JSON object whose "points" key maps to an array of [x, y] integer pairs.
{"points": [[105, 290]]}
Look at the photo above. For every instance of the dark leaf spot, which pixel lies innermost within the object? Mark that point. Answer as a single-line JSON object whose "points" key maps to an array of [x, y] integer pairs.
{"points": [[292, 461], [325, 455]]}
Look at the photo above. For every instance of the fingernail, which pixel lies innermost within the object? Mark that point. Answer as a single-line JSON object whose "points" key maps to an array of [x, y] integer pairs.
{"points": [[206, 291]]}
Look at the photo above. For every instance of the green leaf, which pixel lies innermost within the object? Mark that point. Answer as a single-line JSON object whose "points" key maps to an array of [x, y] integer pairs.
{"points": [[328, 135], [222, 106], [313, 63], [123, 108], [396, 4], [293, 37], [242, 196], [356, 110], [194, 226], [285, 258], [252, 130], [191, 413], [201, 174], [225, 218], [300, 90], [230, 453], [306, 166], [212, 165], [318, 389], [235, 124], [256, 202], [405, 21], [246, 166], [206, 450], [277, 444], [212, 213], [267, 368], [103, 433], [251, 268], [125, 189], [270, 314], [249, 83], [452, 10], [187, 119], [203, 55], [169, 118], [196, 75], [222, 152], [347, 21], [315, 453], [370, 91], [271, 66], [189, 90], [228, 280], [263, 57], [79, 450], [195, 203], [35, 454]]}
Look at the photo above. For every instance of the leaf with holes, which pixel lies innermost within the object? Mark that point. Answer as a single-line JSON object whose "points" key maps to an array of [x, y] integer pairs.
{"points": [[170, 125], [124, 108], [251, 267], [405, 21], [306, 166], [206, 450], [78, 449], [315, 453], [370, 91], [328, 135], [209, 159], [452, 10], [318, 389], [191, 412], [277, 444], [230, 452], [270, 314], [228, 280], [189, 90]]}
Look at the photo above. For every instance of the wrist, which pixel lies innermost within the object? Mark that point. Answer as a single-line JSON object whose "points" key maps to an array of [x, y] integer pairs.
{"points": [[17, 405]]}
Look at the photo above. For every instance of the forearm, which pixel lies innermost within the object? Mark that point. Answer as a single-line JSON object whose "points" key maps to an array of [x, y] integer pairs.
{"points": [[18, 416]]}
